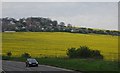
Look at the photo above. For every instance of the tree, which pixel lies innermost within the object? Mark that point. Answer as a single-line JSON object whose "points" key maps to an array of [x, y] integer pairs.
{"points": [[54, 23], [62, 24], [69, 25], [9, 54]]}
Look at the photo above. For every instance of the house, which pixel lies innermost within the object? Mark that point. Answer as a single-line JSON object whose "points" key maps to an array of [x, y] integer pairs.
{"points": [[9, 31]]}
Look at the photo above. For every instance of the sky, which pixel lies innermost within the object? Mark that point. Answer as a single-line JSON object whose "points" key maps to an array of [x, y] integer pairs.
{"points": [[102, 15], [60, 0]]}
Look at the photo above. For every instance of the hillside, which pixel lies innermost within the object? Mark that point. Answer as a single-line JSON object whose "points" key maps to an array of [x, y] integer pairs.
{"points": [[40, 24], [56, 43]]}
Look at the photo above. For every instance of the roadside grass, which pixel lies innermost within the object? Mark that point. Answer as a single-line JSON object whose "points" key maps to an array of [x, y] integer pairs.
{"points": [[56, 43], [73, 64], [81, 64]]}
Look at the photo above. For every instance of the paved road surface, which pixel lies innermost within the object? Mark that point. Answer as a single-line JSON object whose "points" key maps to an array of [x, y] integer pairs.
{"points": [[19, 67]]}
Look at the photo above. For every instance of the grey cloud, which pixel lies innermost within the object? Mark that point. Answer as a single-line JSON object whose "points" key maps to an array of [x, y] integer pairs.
{"points": [[89, 14]]}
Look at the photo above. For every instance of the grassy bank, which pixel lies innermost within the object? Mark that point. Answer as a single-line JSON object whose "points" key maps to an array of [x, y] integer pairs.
{"points": [[74, 64], [56, 43]]}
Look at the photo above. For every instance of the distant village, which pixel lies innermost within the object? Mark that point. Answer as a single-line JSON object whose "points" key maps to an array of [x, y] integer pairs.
{"points": [[40, 24]]}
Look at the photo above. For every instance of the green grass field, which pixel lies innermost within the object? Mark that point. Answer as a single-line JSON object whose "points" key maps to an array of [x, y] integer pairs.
{"points": [[56, 43]]}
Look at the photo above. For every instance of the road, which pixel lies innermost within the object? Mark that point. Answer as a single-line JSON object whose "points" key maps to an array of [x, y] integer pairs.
{"points": [[19, 67]]}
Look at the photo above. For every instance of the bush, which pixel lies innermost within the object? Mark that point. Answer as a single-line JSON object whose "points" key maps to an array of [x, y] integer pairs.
{"points": [[5, 58], [72, 52], [96, 54], [9, 54], [26, 55], [84, 52]]}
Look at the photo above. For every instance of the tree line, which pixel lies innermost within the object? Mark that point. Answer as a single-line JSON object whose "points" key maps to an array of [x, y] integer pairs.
{"points": [[40, 24]]}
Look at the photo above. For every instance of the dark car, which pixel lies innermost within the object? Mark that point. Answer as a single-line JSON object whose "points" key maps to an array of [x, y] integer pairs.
{"points": [[31, 62]]}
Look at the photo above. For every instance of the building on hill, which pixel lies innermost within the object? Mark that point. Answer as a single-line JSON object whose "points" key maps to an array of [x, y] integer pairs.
{"points": [[9, 31]]}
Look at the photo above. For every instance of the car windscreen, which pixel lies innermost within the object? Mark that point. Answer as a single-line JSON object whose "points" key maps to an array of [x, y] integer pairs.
{"points": [[32, 60]]}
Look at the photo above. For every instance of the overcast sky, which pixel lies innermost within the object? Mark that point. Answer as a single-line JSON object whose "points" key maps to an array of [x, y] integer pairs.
{"points": [[103, 15]]}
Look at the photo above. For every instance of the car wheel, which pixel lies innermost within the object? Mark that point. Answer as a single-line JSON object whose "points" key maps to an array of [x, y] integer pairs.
{"points": [[36, 65], [26, 65]]}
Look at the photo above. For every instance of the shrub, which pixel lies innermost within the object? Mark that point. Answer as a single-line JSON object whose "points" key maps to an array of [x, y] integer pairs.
{"points": [[9, 54], [96, 54], [26, 55], [72, 52], [84, 52], [5, 58]]}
